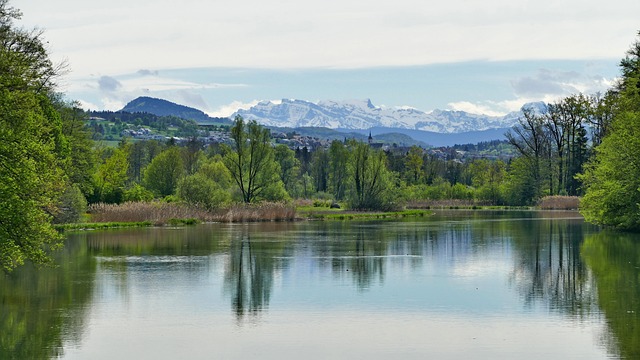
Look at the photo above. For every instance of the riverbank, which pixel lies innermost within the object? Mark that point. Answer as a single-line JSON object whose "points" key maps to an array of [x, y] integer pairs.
{"points": [[141, 214]]}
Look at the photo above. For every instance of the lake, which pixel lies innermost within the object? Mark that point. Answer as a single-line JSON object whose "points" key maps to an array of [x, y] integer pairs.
{"points": [[455, 285]]}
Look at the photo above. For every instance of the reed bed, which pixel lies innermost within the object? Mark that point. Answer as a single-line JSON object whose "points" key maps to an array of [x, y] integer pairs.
{"points": [[160, 213], [258, 212], [558, 202]]}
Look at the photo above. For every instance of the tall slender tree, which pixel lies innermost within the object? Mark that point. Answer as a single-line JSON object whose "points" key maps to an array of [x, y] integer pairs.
{"points": [[251, 161]]}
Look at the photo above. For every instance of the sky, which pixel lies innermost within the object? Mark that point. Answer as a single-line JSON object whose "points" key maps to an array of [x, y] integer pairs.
{"points": [[486, 57]]}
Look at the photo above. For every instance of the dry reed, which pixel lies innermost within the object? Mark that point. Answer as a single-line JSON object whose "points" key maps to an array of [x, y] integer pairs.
{"points": [[558, 202], [162, 213]]}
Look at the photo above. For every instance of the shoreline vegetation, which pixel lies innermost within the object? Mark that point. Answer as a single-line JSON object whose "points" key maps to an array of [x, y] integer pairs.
{"points": [[143, 214]]}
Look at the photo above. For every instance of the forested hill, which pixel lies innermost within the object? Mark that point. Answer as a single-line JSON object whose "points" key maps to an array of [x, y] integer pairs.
{"points": [[161, 107]]}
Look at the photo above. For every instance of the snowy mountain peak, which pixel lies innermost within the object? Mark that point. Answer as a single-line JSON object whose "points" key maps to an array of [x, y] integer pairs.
{"points": [[363, 114]]}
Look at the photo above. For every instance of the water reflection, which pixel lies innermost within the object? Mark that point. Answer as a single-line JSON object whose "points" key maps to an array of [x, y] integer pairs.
{"points": [[549, 268], [249, 272], [41, 310], [506, 269], [614, 259]]}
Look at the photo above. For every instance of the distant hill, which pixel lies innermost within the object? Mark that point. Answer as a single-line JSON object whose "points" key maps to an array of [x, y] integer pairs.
{"points": [[403, 136], [160, 107]]}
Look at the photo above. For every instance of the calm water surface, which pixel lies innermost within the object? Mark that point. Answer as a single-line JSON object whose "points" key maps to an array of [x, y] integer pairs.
{"points": [[456, 285]]}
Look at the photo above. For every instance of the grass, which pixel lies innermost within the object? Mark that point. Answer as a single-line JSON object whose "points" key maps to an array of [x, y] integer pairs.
{"points": [[100, 225]]}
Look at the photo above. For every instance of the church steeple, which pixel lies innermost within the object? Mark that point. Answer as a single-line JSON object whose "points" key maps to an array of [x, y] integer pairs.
{"points": [[370, 138]]}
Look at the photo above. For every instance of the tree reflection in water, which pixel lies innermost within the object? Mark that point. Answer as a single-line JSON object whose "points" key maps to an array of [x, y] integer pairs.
{"points": [[614, 259], [549, 268], [249, 273], [42, 309]]}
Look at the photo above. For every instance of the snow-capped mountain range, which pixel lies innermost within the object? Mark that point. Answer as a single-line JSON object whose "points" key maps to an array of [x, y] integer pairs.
{"points": [[364, 115]]}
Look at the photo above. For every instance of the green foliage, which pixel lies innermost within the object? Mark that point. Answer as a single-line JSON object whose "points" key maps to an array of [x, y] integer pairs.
{"points": [[320, 169], [72, 205], [81, 163], [372, 186], [141, 153], [487, 177], [202, 191], [251, 162], [614, 260], [164, 172], [414, 164], [519, 185], [612, 180], [137, 193], [33, 149], [111, 177], [41, 309], [338, 169], [115, 122], [31, 179], [289, 167]]}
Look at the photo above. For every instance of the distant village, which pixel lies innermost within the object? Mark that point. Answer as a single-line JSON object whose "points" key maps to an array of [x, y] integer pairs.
{"points": [[296, 141]]}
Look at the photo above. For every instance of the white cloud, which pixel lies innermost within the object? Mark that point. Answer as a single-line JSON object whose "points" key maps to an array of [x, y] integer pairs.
{"points": [[487, 108], [86, 105], [229, 109], [337, 33], [545, 85], [548, 83]]}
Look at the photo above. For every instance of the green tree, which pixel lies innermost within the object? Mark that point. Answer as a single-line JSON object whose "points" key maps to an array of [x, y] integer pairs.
{"points": [[215, 170], [520, 185], [320, 169], [111, 177], [32, 147], [413, 164], [289, 167], [251, 161], [372, 185], [200, 190], [81, 163], [338, 169], [612, 178], [164, 172], [72, 205], [193, 155], [487, 176]]}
